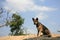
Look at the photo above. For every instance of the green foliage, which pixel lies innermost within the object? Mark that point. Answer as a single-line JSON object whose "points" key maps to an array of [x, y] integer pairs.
{"points": [[16, 24]]}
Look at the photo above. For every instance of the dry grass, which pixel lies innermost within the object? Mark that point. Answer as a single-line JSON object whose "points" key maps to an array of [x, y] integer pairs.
{"points": [[23, 37]]}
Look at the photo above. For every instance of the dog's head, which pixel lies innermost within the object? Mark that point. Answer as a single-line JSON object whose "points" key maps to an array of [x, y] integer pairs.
{"points": [[35, 21]]}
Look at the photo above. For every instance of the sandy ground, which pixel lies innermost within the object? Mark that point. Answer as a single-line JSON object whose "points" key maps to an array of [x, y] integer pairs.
{"points": [[23, 37]]}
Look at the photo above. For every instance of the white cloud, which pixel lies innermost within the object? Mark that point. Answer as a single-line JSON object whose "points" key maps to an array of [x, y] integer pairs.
{"points": [[42, 16], [25, 5], [29, 5], [42, 0], [42, 8], [21, 5]]}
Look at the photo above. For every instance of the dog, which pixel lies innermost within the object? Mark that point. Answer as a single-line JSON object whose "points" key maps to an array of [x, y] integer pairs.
{"points": [[42, 30]]}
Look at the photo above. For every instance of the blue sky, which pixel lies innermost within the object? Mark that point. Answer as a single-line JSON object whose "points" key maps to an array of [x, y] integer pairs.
{"points": [[48, 12]]}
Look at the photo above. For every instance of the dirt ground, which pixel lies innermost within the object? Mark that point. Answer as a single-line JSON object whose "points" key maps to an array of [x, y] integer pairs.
{"points": [[22, 37]]}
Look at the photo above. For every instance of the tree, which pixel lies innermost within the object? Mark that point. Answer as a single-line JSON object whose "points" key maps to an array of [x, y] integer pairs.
{"points": [[1, 10], [16, 24], [15, 21], [5, 20]]}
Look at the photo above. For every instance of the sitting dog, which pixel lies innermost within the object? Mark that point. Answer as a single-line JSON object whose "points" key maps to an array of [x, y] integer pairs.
{"points": [[42, 30]]}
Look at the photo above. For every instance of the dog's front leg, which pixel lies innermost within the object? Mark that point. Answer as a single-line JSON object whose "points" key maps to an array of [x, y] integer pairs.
{"points": [[38, 33], [41, 31]]}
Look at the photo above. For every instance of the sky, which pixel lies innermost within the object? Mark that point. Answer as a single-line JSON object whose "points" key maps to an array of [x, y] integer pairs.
{"points": [[47, 11]]}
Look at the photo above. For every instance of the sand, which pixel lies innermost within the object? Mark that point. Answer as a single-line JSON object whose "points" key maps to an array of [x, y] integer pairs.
{"points": [[22, 37]]}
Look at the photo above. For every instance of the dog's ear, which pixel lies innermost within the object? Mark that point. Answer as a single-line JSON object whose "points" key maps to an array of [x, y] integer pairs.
{"points": [[36, 18], [33, 19]]}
